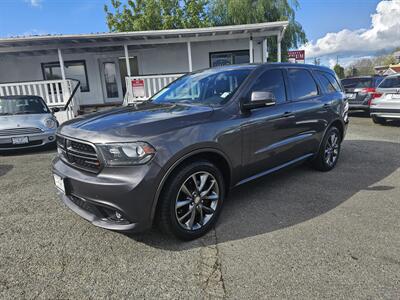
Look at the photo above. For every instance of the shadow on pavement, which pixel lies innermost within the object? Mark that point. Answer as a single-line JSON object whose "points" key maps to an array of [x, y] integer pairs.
{"points": [[4, 169], [293, 196]]}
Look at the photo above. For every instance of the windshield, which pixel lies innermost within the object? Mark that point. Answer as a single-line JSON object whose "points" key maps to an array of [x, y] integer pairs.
{"points": [[209, 87], [390, 82], [357, 83], [22, 106]]}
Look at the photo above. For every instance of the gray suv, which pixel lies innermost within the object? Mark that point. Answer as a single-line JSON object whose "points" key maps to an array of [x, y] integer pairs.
{"points": [[173, 159]]}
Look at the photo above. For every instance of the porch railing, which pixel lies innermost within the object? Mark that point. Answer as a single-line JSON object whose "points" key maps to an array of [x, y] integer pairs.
{"points": [[54, 92], [141, 88]]}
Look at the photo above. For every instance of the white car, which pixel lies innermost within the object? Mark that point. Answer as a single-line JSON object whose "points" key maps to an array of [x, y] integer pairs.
{"points": [[25, 122], [388, 105]]}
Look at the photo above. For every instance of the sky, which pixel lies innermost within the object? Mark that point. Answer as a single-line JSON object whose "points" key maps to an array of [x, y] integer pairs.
{"points": [[344, 29]]}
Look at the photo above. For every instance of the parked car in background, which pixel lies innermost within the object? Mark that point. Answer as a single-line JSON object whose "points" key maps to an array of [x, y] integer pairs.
{"points": [[25, 122], [174, 158], [361, 90], [388, 105]]}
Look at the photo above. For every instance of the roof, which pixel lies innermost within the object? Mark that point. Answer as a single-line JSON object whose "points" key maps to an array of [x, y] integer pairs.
{"points": [[31, 43]]}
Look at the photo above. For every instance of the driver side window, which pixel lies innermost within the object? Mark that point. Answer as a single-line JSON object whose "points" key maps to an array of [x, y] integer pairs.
{"points": [[271, 81]]}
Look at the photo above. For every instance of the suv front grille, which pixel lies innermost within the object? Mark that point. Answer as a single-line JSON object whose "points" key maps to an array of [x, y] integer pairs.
{"points": [[78, 154]]}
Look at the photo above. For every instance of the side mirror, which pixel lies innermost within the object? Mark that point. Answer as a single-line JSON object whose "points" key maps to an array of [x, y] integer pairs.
{"points": [[260, 99], [55, 109]]}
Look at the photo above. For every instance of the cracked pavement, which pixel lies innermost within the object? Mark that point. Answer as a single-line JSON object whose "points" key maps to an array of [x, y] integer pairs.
{"points": [[295, 234]]}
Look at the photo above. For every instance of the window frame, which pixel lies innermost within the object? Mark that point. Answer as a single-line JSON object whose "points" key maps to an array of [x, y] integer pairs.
{"points": [[291, 87], [226, 51], [71, 62]]}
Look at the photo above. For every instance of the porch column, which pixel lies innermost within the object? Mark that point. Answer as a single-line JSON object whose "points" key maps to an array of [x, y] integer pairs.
{"points": [[189, 50], [265, 51], [279, 54], [128, 66], [61, 61], [251, 49]]}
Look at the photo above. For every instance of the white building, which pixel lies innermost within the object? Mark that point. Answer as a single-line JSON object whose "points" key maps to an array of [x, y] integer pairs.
{"points": [[105, 64]]}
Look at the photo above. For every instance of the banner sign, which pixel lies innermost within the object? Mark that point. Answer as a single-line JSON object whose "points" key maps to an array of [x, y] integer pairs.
{"points": [[138, 88], [296, 56]]}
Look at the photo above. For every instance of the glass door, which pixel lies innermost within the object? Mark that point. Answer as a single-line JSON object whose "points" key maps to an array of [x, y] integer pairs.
{"points": [[111, 80]]}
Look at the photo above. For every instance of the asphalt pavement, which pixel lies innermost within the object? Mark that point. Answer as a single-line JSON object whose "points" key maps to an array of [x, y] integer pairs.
{"points": [[295, 234]]}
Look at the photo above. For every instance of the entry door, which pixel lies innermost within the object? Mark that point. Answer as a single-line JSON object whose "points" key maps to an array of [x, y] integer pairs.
{"points": [[111, 80]]}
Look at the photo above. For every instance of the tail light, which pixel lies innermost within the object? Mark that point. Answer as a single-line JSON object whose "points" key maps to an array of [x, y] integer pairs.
{"points": [[373, 94]]}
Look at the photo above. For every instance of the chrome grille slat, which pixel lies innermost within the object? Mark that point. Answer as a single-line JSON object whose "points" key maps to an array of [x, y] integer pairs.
{"points": [[79, 154], [20, 131]]}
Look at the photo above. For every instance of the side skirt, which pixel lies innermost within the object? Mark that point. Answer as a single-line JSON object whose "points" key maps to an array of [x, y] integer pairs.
{"points": [[269, 171]]}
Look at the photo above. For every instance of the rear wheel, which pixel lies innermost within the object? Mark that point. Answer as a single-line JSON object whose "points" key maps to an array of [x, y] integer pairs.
{"points": [[191, 201], [378, 120], [329, 151]]}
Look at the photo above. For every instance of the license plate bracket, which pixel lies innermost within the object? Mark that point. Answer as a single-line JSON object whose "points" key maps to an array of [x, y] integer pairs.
{"points": [[20, 140]]}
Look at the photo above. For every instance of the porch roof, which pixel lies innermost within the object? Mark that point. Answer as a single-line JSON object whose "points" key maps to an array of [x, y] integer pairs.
{"points": [[110, 41]]}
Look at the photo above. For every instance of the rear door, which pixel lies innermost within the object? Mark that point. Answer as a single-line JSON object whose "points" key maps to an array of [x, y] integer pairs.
{"points": [[310, 109]]}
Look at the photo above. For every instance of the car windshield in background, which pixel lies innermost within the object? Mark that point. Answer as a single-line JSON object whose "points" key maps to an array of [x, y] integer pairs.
{"points": [[390, 82], [22, 106], [357, 83], [210, 87]]}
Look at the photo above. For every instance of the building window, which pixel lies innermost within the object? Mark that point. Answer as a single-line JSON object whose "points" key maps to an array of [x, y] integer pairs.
{"points": [[73, 70], [229, 58]]}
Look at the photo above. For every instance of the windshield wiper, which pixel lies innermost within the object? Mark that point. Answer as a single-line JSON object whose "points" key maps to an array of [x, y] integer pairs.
{"points": [[25, 112]]}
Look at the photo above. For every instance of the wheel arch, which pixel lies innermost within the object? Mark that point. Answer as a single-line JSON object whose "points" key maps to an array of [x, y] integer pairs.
{"points": [[212, 155]]}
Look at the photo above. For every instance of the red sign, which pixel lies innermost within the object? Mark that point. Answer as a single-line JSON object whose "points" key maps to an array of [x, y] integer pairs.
{"points": [[297, 54], [137, 83]]}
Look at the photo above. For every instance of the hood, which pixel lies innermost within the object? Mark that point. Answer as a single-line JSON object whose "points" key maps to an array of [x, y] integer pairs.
{"points": [[134, 122], [28, 120]]}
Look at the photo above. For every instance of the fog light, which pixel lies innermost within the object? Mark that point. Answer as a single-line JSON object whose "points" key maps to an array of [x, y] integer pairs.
{"points": [[51, 138]]}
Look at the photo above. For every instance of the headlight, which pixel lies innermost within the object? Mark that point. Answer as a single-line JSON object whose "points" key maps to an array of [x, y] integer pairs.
{"points": [[126, 154], [50, 123]]}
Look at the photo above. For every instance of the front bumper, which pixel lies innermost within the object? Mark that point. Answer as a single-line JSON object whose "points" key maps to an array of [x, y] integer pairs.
{"points": [[35, 140], [128, 191]]}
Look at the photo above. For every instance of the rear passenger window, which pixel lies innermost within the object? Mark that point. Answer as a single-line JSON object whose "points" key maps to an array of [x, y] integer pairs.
{"points": [[271, 81], [302, 84], [326, 83]]}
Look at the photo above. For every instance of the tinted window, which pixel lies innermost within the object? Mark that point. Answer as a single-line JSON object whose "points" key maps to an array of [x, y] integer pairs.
{"points": [[332, 79], [357, 83], [390, 82], [302, 84], [271, 81], [327, 85]]}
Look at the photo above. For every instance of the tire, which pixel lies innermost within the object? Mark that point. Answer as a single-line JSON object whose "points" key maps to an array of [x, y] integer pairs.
{"points": [[183, 203], [328, 154], [378, 120]]}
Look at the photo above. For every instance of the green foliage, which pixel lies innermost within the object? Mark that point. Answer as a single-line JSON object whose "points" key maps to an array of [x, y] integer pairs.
{"points": [[135, 15], [339, 70], [235, 12], [366, 66]]}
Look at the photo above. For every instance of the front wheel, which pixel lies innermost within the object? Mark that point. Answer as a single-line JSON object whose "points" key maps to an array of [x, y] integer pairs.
{"points": [[191, 201], [329, 151]]}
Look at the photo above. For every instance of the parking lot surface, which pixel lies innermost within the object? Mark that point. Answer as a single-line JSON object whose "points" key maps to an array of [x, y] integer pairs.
{"points": [[296, 234]]}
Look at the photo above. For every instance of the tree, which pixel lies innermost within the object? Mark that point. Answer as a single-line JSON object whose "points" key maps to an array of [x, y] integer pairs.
{"points": [[136, 15], [339, 70], [235, 12]]}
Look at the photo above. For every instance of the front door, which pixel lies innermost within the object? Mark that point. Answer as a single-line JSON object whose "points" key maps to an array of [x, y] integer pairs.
{"points": [[111, 80], [267, 132]]}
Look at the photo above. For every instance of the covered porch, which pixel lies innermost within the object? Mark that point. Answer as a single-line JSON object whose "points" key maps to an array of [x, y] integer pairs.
{"points": [[116, 68]]}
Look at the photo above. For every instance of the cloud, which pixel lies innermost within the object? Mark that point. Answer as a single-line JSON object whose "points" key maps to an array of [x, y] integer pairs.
{"points": [[35, 3], [384, 34]]}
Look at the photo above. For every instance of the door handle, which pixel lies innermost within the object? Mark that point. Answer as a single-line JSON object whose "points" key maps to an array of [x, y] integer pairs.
{"points": [[288, 114]]}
